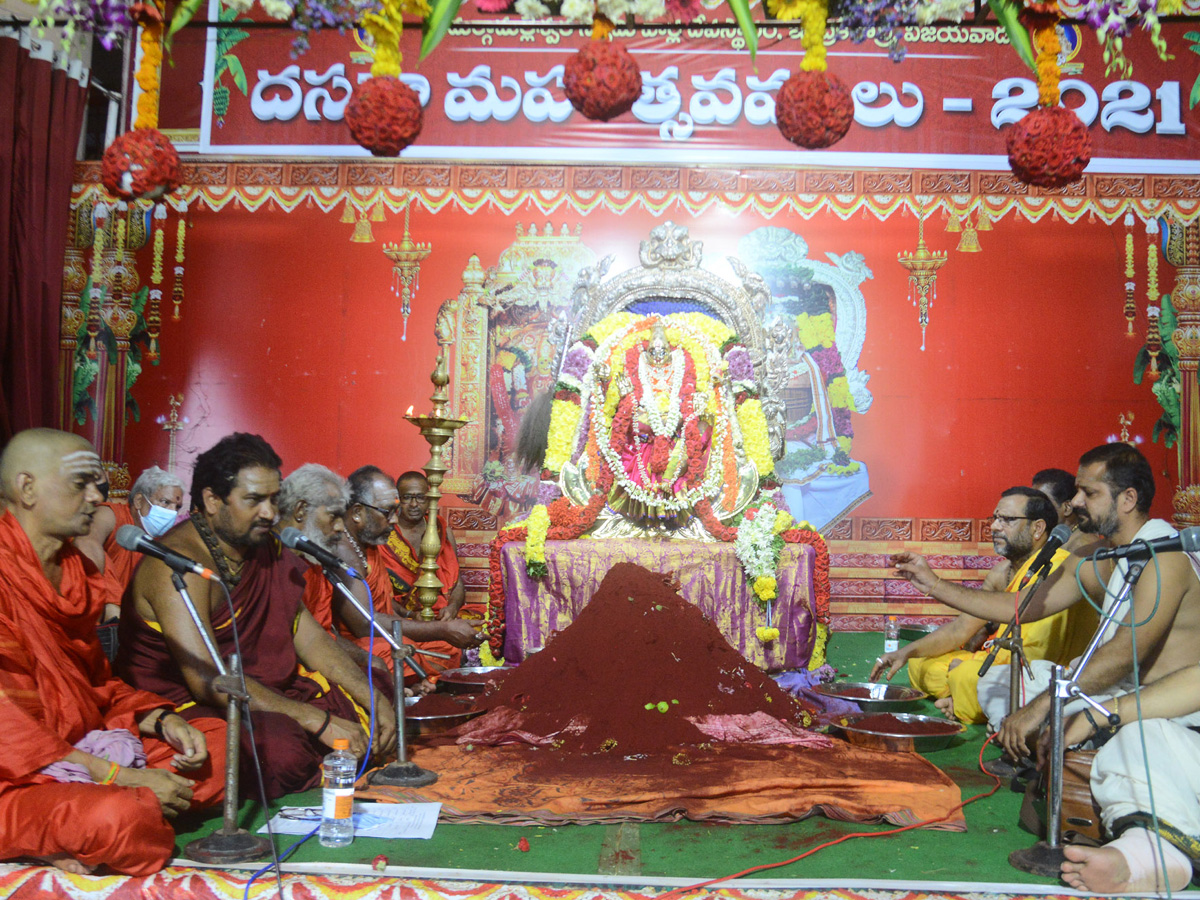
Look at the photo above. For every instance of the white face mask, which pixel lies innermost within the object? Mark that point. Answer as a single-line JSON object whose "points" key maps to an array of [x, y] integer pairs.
{"points": [[158, 519]]}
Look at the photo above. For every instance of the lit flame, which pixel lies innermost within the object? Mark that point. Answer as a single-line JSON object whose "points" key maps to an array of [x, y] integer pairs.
{"points": [[409, 412]]}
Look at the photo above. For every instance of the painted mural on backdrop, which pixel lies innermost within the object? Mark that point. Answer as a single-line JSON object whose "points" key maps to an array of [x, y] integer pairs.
{"points": [[817, 325], [494, 92]]}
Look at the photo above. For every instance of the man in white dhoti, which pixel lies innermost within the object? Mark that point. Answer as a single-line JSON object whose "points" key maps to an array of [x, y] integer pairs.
{"points": [[1115, 489], [1138, 859]]}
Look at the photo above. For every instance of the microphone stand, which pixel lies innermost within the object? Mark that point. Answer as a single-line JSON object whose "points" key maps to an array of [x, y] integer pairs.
{"points": [[401, 773], [1010, 640], [229, 844], [399, 650], [1045, 857]]}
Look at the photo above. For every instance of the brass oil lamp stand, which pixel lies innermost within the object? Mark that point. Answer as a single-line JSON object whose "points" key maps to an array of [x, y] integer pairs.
{"points": [[437, 428]]}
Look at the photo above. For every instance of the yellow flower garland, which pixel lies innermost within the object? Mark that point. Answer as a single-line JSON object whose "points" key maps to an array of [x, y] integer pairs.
{"points": [[815, 331], [766, 635], [149, 75], [609, 325], [818, 653], [385, 28], [754, 435], [1045, 40], [538, 524], [564, 428], [783, 521], [766, 588], [839, 393]]}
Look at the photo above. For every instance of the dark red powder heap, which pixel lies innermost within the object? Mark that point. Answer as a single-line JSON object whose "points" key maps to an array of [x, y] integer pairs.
{"points": [[638, 643]]}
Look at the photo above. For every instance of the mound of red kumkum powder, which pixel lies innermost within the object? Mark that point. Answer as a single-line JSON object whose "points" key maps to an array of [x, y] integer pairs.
{"points": [[627, 674]]}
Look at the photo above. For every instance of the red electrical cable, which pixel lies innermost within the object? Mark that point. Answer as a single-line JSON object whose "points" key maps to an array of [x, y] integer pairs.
{"points": [[679, 892]]}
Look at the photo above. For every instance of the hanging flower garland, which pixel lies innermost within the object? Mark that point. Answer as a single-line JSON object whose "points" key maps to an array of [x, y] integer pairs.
{"points": [[813, 109], [385, 114], [602, 80], [1050, 147], [149, 72], [816, 335], [141, 163]]}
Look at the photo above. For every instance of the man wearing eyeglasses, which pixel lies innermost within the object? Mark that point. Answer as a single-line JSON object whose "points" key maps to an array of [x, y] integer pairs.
{"points": [[945, 664], [375, 508]]}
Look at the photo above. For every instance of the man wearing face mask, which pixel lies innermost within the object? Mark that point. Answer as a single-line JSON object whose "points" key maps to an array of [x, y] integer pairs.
{"points": [[154, 504]]}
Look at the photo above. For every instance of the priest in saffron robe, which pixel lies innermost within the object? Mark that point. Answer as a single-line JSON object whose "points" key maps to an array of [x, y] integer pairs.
{"points": [[305, 692], [313, 501], [85, 759], [374, 513]]}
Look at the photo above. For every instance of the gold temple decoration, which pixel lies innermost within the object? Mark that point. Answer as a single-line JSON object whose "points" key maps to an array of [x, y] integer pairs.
{"points": [[1183, 252], [406, 258], [969, 242], [922, 265], [955, 224], [437, 428], [171, 423], [1125, 419], [985, 220], [1130, 273]]}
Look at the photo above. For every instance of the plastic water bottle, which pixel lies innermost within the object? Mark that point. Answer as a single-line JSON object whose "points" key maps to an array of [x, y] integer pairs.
{"points": [[337, 795], [891, 635]]}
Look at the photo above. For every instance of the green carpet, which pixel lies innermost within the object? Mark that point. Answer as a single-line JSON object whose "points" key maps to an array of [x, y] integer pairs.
{"points": [[695, 850]]}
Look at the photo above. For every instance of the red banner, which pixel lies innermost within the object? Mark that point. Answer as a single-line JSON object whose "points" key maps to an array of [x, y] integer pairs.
{"points": [[495, 93]]}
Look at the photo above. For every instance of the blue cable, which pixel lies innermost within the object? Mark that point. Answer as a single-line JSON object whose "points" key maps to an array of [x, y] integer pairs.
{"points": [[366, 757]]}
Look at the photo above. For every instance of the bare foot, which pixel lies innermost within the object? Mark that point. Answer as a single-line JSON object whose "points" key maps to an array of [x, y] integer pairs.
{"points": [[67, 863], [946, 707], [1105, 870]]}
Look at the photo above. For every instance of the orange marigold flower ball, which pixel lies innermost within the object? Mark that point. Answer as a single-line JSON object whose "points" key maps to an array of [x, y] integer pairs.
{"points": [[384, 115], [814, 109], [602, 80]]}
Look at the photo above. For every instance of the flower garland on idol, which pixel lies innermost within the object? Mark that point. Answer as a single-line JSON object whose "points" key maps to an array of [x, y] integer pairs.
{"points": [[602, 386], [816, 335]]}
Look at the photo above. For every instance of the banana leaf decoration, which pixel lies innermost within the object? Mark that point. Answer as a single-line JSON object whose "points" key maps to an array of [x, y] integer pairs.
{"points": [[437, 23], [184, 13], [1009, 12], [741, 11]]}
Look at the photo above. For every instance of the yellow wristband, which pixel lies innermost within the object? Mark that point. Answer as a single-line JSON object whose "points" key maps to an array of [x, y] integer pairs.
{"points": [[111, 775]]}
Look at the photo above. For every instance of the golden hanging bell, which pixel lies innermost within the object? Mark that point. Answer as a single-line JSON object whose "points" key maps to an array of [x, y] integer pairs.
{"points": [[347, 213], [362, 232], [969, 242], [955, 224], [377, 212], [985, 222]]}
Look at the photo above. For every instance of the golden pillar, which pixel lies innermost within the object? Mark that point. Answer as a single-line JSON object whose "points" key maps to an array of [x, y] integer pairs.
{"points": [[1183, 252]]}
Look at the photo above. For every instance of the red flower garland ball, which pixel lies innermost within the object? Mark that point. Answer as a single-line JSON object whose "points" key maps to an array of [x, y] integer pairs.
{"points": [[1049, 148], [384, 115], [602, 80], [814, 109], [141, 163]]}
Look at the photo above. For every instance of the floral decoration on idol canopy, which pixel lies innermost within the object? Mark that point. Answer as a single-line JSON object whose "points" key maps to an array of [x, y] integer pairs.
{"points": [[657, 430]]}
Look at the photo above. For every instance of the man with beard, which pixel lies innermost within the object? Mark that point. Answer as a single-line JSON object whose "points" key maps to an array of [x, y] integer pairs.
{"points": [[296, 717], [1115, 488], [374, 510], [945, 664], [85, 759]]}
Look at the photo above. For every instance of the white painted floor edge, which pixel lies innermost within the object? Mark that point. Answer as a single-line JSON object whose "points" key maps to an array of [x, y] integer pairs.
{"points": [[497, 876]]}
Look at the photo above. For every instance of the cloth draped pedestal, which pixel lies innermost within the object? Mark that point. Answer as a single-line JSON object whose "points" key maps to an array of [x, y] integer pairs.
{"points": [[709, 575]]}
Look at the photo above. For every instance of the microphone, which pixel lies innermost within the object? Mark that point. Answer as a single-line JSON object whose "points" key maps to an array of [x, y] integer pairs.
{"points": [[1187, 540], [1059, 535], [133, 538], [295, 539]]}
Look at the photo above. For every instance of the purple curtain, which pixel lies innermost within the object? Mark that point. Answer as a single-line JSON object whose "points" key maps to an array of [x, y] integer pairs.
{"points": [[41, 113]]}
